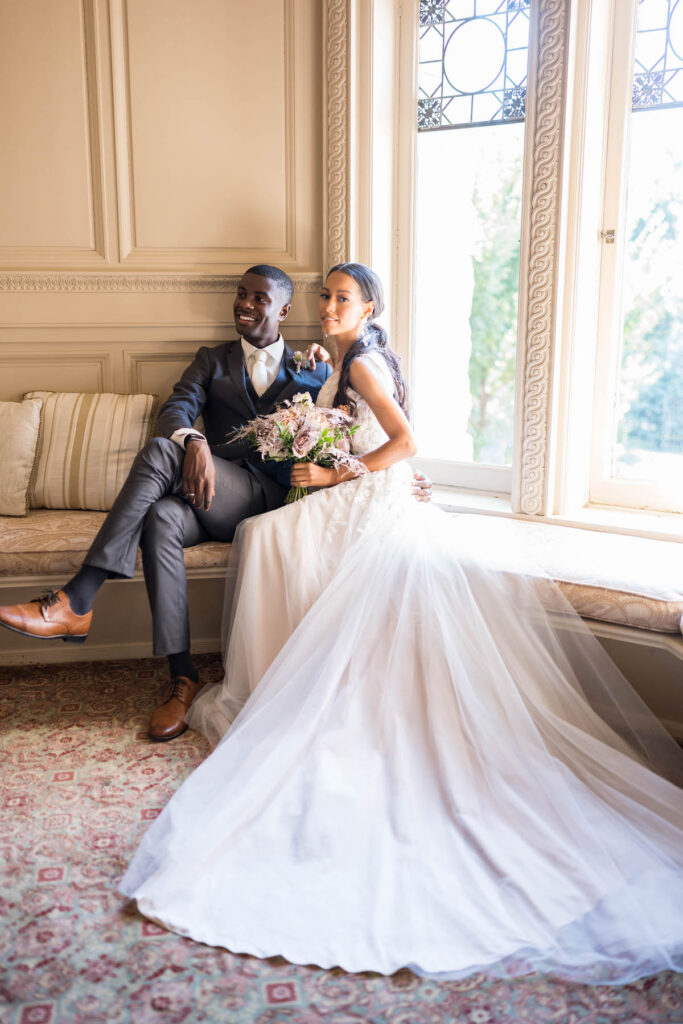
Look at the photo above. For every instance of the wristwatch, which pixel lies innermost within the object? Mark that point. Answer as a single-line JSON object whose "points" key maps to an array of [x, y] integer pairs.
{"points": [[192, 437]]}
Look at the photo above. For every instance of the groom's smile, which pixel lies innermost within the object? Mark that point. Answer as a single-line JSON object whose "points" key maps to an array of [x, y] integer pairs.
{"points": [[259, 310], [243, 322]]}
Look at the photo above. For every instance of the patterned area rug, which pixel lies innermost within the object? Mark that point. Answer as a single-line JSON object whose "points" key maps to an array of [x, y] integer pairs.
{"points": [[80, 782]]}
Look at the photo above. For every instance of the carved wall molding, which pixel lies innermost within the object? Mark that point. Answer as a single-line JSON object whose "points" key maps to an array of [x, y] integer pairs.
{"points": [[132, 252], [94, 254], [336, 126], [123, 282], [545, 128], [96, 131]]}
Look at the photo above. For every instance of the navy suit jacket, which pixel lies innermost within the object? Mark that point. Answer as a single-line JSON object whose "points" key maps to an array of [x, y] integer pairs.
{"points": [[216, 386]]}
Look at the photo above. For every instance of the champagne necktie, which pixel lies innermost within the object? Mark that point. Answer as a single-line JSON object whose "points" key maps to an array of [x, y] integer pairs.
{"points": [[259, 375]]}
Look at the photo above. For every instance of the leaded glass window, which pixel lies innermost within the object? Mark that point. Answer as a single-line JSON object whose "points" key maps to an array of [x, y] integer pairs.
{"points": [[658, 72], [472, 76], [472, 65]]}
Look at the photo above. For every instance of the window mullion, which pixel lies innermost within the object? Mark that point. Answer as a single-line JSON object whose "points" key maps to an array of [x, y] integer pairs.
{"points": [[611, 269]]}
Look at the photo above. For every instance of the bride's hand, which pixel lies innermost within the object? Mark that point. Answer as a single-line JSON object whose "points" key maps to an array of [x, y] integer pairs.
{"points": [[317, 353], [307, 474], [422, 487]]}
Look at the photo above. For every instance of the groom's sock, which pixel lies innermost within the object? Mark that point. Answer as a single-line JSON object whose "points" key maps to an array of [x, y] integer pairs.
{"points": [[181, 664], [81, 589]]}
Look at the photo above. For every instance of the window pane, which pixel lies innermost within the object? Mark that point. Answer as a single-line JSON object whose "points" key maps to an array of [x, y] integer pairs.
{"points": [[472, 94], [468, 223], [648, 441], [472, 62]]}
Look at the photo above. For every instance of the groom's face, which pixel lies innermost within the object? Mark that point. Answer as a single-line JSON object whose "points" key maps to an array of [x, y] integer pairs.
{"points": [[259, 310]]}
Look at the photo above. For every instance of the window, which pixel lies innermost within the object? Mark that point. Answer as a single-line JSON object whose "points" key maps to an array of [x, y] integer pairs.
{"points": [[579, 408], [472, 80], [637, 457]]}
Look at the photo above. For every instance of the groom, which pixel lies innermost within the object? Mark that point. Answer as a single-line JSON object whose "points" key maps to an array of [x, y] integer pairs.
{"points": [[186, 487]]}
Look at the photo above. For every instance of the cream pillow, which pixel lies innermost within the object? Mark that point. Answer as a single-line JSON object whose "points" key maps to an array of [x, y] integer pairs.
{"points": [[87, 446], [19, 428]]}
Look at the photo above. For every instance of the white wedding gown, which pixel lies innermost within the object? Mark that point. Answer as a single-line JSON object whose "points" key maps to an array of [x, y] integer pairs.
{"points": [[434, 765]]}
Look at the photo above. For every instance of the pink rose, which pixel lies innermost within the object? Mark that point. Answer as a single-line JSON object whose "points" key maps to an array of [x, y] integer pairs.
{"points": [[303, 442]]}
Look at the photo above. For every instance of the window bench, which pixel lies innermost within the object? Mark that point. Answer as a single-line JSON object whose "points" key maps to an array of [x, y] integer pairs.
{"points": [[628, 589], [49, 542], [46, 547]]}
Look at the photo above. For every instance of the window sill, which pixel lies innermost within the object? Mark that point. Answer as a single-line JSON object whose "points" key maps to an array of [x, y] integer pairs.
{"points": [[635, 522], [631, 522], [459, 499]]}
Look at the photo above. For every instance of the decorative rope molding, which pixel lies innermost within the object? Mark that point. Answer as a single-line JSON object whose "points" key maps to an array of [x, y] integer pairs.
{"points": [[123, 282], [337, 130], [542, 270]]}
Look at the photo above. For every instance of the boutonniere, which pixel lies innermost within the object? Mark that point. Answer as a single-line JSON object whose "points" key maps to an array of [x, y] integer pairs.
{"points": [[301, 362]]}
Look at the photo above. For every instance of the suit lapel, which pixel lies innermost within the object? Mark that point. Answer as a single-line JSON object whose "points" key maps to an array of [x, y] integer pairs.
{"points": [[237, 376]]}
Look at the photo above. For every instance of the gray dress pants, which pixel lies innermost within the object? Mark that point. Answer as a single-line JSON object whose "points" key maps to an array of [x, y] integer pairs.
{"points": [[151, 512]]}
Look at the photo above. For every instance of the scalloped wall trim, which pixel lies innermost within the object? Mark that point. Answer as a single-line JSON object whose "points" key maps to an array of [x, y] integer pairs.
{"points": [[542, 266], [124, 282], [337, 131]]}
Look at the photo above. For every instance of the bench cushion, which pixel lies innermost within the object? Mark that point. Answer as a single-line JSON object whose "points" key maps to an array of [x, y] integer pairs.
{"points": [[54, 542], [629, 581]]}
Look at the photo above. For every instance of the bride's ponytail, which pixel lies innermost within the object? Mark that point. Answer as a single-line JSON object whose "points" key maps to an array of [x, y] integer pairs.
{"points": [[374, 338], [380, 339]]}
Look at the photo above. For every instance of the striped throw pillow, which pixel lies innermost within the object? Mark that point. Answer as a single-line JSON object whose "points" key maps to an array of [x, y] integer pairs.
{"points": [[87, 445]]}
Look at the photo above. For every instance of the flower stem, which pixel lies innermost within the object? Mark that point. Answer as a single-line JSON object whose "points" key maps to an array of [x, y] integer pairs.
{"points": [[294, 493]]}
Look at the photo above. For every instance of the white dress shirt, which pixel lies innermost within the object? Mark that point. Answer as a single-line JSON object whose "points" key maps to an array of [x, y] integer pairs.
{"points": [[274, 355]]}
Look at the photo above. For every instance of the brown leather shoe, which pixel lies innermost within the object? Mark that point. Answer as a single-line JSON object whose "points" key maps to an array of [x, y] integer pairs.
{"points": [[48, 617], [168, 720]]}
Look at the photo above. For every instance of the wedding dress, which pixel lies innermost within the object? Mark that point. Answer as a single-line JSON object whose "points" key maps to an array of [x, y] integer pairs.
{"points": [[432, 764]]}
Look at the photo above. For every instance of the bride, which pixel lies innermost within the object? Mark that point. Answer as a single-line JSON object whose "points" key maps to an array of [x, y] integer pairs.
{"points": [[424, 758]]}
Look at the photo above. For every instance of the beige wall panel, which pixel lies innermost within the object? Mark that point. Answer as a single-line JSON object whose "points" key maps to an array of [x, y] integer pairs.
{"points": [[305, 122], [152, 134], [157, 372], [46, 184], [44, 369], [208, 140]]}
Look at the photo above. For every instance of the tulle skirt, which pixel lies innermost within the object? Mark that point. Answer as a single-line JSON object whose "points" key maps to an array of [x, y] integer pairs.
{"points": [[424, 759]]}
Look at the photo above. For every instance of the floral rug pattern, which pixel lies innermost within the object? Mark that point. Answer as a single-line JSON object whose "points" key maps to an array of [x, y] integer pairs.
{"points": [[79, 783]]}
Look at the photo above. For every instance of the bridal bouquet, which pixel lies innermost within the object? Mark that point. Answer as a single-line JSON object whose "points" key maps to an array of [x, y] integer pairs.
{"points": [[299, 431]]}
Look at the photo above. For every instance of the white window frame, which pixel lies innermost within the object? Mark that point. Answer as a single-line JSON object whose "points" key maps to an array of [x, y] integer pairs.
{"points": [[564, 175], [604, 489], [526, 484], [472, 476]]}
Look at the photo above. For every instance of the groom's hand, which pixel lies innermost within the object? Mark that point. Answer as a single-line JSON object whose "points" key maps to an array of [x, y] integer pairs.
{"points": [[199, 474]]}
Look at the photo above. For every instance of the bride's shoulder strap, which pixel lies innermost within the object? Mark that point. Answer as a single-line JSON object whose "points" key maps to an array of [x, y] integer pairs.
{"points": [[376, 364]]}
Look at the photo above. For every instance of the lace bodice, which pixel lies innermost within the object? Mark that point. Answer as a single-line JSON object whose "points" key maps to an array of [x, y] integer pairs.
{"points": [[369, 434]]}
